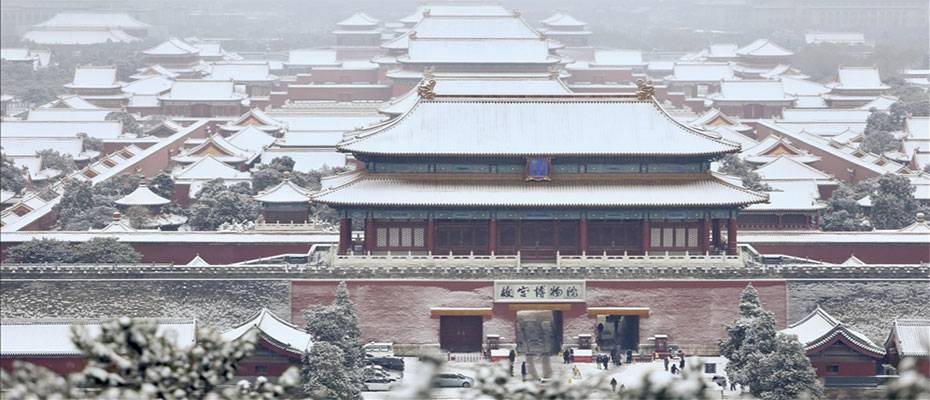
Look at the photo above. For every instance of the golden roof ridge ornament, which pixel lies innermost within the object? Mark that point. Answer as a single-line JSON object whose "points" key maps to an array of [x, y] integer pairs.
{"points": [[644, 89], [425, 90]]}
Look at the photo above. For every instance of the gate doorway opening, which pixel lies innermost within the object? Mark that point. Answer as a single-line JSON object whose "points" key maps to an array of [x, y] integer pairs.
{"points": [[539, 332], [460, 334], [620, 332]]}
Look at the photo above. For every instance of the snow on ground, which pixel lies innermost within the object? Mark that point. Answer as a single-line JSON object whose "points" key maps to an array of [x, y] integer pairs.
{"points": [[628, 375]]}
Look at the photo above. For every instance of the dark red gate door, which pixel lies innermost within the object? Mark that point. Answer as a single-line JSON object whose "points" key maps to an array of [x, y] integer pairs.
{"points": [[460, 334]]}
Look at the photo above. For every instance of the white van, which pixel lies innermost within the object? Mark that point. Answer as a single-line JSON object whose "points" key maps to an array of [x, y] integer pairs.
{"points": [[379, 349]]}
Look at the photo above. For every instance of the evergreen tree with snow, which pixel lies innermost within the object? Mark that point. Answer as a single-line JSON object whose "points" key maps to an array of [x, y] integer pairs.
{"points": [[337, 324], [785, 373], [325, 375], [893, 203], [12, 178], [751, 333]]}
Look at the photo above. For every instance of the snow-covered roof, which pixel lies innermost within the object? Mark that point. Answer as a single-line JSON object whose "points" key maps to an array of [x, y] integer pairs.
{"points": [[172, 47], [306, 160], [803, 87], [271, 327], [209, 168], [197, 261], [751, 90], [309, 57], [151, 85], [44, 337], [258, 115], [853, 261], [859, 78], [37, 129], [358, 19], [829, 115], [6, 196], [94, 78], [834, 38], [157, 236], [562, 20], [67, 115], [788, 169], [202, 90], [456, 10], [284, 192], [772, 147], [530, 85], [763, 48], [209, 49], [28, 146], [819, 328], [403, 190], [714, 117], [71, 101], [618, 57], [701, 72], [911, 337], [251, 139], [78, 37], [16, 54], [920, 225], [241, 71], [154, 70], [790, 195], [142, 196], [729, 134], [478, 51], [536, 125], [68, 20], [881, 103], [219, 147], [721, 51], [465, 28]]}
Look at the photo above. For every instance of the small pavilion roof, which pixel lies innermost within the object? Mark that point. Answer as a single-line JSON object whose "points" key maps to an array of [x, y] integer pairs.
{"points": [[219, 147], [284, 192], [795, 195], [52, 337], [788, 169], [820, 328], [117, 224], [257, 118], [714, 117], [172, 47], [359, 19], [457, 191], [94, 78], [278, 331], [763, 48], [208, 168], [142, 196], [859, 78], [536, 125], [910, 337]]}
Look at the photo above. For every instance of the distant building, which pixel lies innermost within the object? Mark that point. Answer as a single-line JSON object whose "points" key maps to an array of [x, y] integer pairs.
{"points": [[566, 29], [280, 346], [908, 340], [87, 29], [836, 351]]}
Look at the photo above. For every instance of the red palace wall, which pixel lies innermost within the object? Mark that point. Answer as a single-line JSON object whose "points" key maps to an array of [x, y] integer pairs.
{"points": [[872, 253], [692, 313]]}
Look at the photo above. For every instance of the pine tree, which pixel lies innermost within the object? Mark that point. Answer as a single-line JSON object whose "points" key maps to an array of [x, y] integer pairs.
{"points": [[11, 177], [40, 251], [325, 377], [752, 332], [893, 203], [785, 373], [337, 324]]}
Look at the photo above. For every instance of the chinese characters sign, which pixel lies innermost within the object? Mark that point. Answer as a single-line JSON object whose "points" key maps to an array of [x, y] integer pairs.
{"points": [[538, 291]]}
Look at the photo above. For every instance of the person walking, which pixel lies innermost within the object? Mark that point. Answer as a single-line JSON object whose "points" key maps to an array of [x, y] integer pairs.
{"points": [[512, 356], [613, 384], [666, 363], [629, 356], [681, 360], [565, 357], [606, 362], [523, 370]]}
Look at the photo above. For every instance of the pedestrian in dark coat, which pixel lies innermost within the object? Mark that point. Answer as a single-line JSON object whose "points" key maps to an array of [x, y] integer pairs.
{"points": [[674, 369], [613, 384], [681, 361], [629, 356], [523, 370], [606, 362], [666, 363], [512, 356], [565, 357]]}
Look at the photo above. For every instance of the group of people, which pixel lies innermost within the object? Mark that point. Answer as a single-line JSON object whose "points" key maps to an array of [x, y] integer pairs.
{"points": [[675, 369]]}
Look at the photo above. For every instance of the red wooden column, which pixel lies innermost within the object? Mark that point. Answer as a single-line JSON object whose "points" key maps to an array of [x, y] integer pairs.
{"points": [[715, 233], [731, 236], [345, 235], [430, 235], [646, 244], [369, 234], [492, 236], [702, 235], [583, 235]]}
